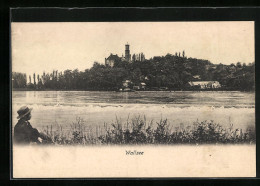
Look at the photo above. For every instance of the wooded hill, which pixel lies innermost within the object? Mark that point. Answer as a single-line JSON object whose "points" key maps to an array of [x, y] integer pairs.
{"points": [[169, 71]]}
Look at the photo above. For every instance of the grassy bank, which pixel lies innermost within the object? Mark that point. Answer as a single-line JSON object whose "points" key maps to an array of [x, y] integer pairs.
{"points": [[138, 131]]}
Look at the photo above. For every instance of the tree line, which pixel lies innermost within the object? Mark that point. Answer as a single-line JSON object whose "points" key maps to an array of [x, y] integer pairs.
{"points": [[172, 71]]}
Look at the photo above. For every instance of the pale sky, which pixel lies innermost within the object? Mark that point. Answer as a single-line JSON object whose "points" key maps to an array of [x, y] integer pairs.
{"points": [[38, 47]]}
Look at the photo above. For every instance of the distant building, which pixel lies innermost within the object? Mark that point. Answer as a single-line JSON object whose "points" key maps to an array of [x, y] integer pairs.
{"points": [[127, 53], [196, 77], [211, 66], [110, 61], [142, 86], [127, 83], [204, 84], [136, 87], [138, 57]]}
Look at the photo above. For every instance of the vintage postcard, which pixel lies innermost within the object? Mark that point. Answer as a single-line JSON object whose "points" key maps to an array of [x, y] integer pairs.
{"points": [[133, 99]]}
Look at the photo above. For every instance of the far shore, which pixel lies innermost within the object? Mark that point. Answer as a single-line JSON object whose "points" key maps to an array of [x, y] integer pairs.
{"points": [[176, 90]]}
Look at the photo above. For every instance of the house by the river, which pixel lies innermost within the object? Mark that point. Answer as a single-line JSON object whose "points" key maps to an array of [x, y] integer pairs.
{"points": [[204, 84]]}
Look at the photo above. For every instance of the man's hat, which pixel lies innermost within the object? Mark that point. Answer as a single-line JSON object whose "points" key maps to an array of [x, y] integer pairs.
{"points": [[23, 111]]}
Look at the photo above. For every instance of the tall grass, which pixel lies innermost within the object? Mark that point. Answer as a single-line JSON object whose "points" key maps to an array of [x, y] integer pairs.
{"points": [[76, 133], [139, 131]]}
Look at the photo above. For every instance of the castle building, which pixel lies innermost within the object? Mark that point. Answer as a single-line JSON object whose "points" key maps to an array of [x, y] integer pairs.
{"points": [[110, 61], [138, 57]]}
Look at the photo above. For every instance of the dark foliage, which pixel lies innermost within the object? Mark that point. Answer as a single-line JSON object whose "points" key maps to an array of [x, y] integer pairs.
{"points": [[19, 80], [169, 71]]}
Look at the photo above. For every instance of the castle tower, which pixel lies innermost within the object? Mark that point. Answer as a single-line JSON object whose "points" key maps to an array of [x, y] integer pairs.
{"points": [[127, 53]]}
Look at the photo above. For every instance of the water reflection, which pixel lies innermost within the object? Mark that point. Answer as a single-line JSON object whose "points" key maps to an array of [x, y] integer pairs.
{"points": [[226, 99]]}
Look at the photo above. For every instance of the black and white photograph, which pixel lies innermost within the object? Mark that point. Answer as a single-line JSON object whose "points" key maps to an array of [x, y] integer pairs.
{"points": [[133, 99]]}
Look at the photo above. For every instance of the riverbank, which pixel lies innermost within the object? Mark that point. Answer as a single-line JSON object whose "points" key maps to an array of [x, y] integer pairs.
{"points": [[138, 131]]}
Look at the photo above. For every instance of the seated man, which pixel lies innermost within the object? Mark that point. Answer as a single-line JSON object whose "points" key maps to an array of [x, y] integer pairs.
{"points": [[24, 133]]}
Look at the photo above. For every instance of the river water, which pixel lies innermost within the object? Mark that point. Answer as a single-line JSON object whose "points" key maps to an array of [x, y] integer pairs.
{"points": [[97, 108]]}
